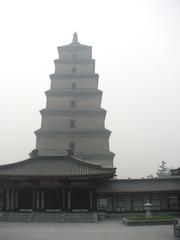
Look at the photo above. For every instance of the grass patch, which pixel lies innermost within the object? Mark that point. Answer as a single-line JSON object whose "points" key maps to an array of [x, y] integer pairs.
{"points": [[143, 218]]}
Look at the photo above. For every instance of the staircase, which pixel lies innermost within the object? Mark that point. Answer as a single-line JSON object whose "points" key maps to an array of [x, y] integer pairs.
{"points": [[16, 217], [48, 217]]}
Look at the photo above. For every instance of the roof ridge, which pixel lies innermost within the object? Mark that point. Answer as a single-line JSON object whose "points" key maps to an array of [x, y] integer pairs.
{"points": [[91, 164]]}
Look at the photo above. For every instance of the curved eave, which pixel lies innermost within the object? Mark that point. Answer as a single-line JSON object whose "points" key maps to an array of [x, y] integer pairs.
{"points": [[72, 132], [64, 177], [72, 61], [73, 76], [47, 112], [74, 92], [74, 47]]}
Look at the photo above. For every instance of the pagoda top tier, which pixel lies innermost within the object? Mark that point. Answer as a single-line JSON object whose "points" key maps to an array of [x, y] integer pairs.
{"points": [[75, 39], [76, 49], [75, 45]]}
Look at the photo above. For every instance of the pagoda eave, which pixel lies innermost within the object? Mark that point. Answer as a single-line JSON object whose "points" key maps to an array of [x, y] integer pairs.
{"points": [[73, 93], [103, 132], [69, 76], [78, 61]]}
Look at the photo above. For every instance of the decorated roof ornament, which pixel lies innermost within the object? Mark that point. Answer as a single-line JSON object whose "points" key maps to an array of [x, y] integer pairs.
{"points": [[75, 38]]}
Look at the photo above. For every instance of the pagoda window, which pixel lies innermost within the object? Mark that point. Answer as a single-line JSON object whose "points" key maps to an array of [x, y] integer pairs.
{"points": [[72, 124], [74, 70], [74, 56], [73, 103], [72, 145], [73, 85]]}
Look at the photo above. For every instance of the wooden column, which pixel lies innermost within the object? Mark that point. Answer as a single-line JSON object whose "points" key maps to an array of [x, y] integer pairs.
{"points": [[7, 199], [91, 199], [16, 199], [37, 200], [131, 202], [42, 199], [34, 200], [69, 199], [12, 199], [114, 204], [64, 203]]}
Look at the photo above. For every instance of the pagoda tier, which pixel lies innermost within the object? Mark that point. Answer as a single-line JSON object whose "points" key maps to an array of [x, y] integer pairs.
{"points": [[73, 117]]}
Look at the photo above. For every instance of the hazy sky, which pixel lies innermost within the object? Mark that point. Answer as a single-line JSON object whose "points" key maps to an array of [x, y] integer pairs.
{"points": [[136, 44]]}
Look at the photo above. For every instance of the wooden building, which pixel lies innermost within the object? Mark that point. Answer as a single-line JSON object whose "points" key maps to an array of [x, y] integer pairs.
{"points": [[63, 183]]}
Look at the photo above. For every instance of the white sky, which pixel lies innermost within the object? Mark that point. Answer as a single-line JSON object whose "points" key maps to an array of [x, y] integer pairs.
{"points": [[136, 44]]}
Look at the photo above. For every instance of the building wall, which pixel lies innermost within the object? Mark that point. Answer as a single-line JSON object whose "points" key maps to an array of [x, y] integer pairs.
{"points": [[84, 84], [134, 202], [74, 68], [82, 53], [82, 103], [85, 122], [92, 144]]}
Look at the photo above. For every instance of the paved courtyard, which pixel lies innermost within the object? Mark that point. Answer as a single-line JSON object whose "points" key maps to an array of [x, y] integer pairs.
{"points": [[109, 229]]}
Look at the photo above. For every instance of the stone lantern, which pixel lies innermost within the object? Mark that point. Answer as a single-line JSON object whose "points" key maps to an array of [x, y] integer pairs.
{"points": [[148, 208]]}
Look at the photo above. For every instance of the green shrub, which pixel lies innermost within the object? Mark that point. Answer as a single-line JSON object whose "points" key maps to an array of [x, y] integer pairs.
{"points": [[142, 218]]}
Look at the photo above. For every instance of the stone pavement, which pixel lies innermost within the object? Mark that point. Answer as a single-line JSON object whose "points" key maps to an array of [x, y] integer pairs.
{"points": [[108, 229]]}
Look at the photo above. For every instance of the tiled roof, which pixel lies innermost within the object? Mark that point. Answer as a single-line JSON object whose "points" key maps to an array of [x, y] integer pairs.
{"points": [[140, 185], [175, 171], [62, 166]]}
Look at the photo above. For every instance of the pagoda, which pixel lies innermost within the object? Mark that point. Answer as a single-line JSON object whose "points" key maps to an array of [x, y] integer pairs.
{"points": [[73, 117]]}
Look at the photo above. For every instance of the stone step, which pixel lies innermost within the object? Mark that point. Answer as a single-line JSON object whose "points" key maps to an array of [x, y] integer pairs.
{"points": [[16, 217], [81, 217], [48, 217]]}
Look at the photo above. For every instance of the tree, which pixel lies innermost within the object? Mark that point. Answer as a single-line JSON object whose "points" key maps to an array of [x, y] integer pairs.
{"points": [[163, 171]]}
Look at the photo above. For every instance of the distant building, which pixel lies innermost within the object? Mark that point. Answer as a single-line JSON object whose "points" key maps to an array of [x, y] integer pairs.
{"points": [[71, 169], [175, 172]]}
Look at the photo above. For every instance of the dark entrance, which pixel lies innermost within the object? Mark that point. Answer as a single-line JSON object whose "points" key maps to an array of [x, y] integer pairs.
{"points": [[80, 199], [53, 199], [25, 199]]}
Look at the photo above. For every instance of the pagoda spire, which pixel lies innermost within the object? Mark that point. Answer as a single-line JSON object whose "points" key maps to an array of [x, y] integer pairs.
{"points": [[75, 38]]}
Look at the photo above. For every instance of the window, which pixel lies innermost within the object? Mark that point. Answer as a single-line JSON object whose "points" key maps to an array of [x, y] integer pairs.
{"points": [[123, 203], [173, 203], [102, 204], [72, 145], [138, 205], [73, 103], [74, 56], [72, 124], [156, 204], [74, 70], [73, 86]]}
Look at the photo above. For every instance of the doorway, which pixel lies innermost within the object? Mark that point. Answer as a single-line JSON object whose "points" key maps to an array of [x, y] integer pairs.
{"points": [[80, 199], [53, 199], [25, 199]]}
